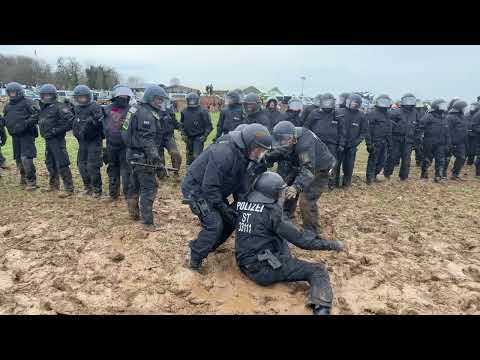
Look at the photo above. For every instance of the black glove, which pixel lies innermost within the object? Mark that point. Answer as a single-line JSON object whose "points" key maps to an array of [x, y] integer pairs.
{"points": [[229, 215], [161, 172]]}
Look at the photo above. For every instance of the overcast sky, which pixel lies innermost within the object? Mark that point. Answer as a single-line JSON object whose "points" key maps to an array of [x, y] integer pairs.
{"points": [[427, 71]]}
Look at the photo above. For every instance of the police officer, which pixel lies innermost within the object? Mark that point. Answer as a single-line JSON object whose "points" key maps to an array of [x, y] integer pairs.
{"points": [[379, 139], [3, 141], [476, 131], [420, 108], [471, 140], [143, 132], [21, 118], [253, 109], [196, 126], [115, 114], [54, 121], [231, 116], [311, 166], [216, 174], [404, 124], [271, 110], [433, 128], [357, 130], [458, 133], [329, 128], [293, 113], [309, 108], [169, 142], [261, 244], [88, 129]]}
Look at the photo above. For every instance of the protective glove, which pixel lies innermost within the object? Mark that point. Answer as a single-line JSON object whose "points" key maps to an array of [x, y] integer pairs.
{"points": [[162, 172], [229, 215], [291, 192], [336, 245]]}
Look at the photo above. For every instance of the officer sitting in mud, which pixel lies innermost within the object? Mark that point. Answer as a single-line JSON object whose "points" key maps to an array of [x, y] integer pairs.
{"points": [[261, 246]]}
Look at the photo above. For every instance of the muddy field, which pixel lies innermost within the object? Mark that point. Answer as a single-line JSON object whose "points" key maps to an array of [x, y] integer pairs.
{"points": [[413, 248]]}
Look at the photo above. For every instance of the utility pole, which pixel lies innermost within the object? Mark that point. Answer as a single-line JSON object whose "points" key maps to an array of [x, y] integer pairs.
{"points": [[303, 78]]}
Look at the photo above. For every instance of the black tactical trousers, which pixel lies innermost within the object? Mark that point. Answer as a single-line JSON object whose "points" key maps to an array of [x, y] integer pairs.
{"points": [[142, 191], [118, 170], [58, 163], [460, 153], [293, 269], [471, 149], [419, 151], [401, 155], [194, 148], [89, 162], [345, 161], [24, 151], [376, 159], [172, 148], [2, 158], [333, 149], [308, 202], [433, 151]]}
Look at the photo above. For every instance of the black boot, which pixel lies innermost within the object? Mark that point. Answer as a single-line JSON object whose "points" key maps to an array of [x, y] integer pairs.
{"points": [[195, 264], [321, 310], [133, 209]]}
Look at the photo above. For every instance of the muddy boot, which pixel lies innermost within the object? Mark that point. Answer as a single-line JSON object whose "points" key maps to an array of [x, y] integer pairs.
{"points": [[424, 174], [369, 181], [195, 264], [97, 195], [152, 227], [321, 310], [456, 178], [21, 170], [65, 194], [133, 209], [31, 186]]}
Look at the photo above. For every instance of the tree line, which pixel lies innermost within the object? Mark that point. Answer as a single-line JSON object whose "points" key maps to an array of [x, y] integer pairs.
{"points": [[67, 73]]}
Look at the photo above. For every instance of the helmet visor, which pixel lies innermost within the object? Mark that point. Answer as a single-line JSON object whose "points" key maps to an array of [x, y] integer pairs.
{"points": [[282, 141], [159, 102], [82, 99], [250, 107], [47, 98], [442, 106], [192, 102], [409, 101], [327, 103], [295, 105], [353, 104], [384, 102]]}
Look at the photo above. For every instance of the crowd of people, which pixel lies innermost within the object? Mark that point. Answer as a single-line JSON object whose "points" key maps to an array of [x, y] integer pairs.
{"points": [[314, 148]]}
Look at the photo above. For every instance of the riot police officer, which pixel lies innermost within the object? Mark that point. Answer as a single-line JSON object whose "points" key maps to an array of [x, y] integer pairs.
{"points": [[329, 128], [88, 129], [311, 166], [434, 130], [21, 118], [271, 110], [253, 109], [261, 247], [196, 126], [308, 109], [54, 121], [420, 108], [471, 140], [404, 124], [458, 134], [216, 174], [115, 114], [357, 130], [143, 132], [231, 116], [379, 139], [293, 113]]}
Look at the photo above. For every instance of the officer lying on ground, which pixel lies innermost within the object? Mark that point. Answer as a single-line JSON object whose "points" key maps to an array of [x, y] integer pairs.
{"points": [[261, 246], [220, 171]]}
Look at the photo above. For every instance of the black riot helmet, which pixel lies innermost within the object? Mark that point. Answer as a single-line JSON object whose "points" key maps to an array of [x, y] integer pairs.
{"points": [[193, 100], [251, 136], [327, 101], [284, 131], [16, 88], [317, 100], [82, 95], [233, 98], [408, 100], [295, 105], [156, 97], [383, 101], [451, 102], [419, 104], [474, 107], [342, 99], [458, 106], [48, 93], [354, 102], [267, 188], [252, 103], [121, 95], [439, 105]]}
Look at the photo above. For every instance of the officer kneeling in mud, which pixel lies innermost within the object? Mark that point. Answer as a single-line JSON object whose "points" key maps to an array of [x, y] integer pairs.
{"points": [[311, 167], [261, 247], [220, 171]]}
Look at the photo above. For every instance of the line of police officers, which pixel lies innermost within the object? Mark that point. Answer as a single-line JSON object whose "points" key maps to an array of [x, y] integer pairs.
{"points": [[310, 151]]}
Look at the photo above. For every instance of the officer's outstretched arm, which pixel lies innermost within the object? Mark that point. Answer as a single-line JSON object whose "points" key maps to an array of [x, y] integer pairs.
{"points": [[288, 231]]}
